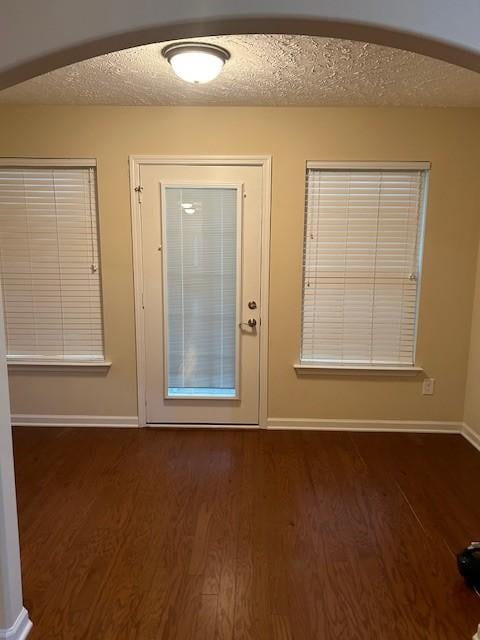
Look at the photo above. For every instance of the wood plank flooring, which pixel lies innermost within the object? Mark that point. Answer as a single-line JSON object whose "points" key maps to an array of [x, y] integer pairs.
{"points": [[245, 535]]}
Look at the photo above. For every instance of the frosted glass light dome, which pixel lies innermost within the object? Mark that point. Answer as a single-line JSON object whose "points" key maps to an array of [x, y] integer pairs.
{"points": [[196, 63]]}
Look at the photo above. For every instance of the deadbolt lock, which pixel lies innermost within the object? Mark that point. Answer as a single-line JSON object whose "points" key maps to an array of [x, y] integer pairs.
{"points": [[252, 304]]}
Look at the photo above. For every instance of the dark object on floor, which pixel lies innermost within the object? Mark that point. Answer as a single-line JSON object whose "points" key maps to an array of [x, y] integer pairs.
{"points": [[468, 562]]}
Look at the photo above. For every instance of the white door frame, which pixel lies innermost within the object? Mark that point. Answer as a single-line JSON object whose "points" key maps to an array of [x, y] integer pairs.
{"points": [[265, 162]]}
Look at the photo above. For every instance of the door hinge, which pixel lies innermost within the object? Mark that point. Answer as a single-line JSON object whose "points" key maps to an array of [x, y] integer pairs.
{"points": [[139, 190]]}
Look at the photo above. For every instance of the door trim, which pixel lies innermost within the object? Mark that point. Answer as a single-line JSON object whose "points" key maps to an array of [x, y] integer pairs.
{"points": [[265, 163]]}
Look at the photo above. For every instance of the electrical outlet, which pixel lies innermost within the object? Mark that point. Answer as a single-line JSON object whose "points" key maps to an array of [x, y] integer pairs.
{"points": [[428, 386]]}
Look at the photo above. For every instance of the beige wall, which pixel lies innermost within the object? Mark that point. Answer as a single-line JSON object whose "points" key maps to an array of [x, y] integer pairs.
{"points": [[449, 138]]}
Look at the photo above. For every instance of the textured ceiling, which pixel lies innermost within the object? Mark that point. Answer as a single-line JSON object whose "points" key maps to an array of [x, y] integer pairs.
{"points": [[263, 70]]}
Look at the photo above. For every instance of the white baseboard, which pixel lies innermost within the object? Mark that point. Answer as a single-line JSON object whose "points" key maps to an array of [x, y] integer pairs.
{"points": [[415, 426], [474, 439], [32, 420], [20, 628]]}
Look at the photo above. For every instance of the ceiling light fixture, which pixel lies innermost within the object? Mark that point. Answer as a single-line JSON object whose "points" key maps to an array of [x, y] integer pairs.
{"points": [[196, 62]]}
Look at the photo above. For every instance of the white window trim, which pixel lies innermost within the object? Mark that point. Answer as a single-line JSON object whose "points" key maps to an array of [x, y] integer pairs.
{"points": [[334, 369], [305, 368], [374, 166], [48, 162], [58, 366], [53, 365]]}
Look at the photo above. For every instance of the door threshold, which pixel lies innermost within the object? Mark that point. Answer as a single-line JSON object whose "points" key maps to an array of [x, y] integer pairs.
{"points": [[193, 425]]}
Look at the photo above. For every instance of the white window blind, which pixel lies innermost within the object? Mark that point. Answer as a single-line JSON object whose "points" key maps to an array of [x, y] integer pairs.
{"points": [[201, 249], [362, 256], [50, 264]]}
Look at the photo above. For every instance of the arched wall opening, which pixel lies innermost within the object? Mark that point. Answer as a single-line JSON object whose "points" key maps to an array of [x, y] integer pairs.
{"points": [[26, 52]]}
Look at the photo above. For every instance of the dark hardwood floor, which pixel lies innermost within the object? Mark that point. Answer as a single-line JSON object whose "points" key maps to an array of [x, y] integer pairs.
{"points": [[231, 535]]}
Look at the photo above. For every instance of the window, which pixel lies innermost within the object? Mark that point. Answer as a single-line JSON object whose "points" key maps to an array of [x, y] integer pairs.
{"points": [[201, 253], [49, 261], [362, 259]]}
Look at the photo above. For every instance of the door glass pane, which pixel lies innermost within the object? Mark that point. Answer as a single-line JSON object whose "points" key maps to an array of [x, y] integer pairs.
{"points": [[200, 270]]}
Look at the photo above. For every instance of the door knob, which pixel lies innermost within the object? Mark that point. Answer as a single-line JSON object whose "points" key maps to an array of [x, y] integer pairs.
{"points": [[252, 323]]}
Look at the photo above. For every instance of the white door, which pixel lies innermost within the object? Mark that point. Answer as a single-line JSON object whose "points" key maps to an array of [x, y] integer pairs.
{"points": [[201, 251]]}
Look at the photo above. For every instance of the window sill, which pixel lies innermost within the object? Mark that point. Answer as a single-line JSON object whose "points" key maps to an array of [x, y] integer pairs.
{"points": [[355, 370], [58, 366]]}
